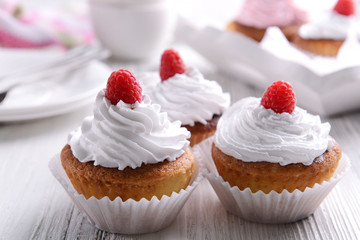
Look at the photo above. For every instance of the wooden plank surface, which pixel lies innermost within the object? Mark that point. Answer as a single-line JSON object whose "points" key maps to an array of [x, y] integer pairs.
{"points": [[33, 205]]}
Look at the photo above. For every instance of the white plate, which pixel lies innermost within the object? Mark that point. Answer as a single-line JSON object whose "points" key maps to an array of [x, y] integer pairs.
{"points": [[60, 94]]}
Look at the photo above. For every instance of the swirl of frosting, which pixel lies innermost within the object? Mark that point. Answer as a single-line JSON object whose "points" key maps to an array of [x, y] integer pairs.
{"points": [[265, 13], [190, 98], [128, 135], [251, 133], [331, 26]]}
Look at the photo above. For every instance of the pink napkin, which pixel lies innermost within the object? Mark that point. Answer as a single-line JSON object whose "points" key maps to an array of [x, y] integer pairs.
{"points": [[25, 27]]}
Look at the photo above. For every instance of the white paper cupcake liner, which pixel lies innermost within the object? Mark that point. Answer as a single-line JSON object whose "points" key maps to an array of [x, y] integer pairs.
{"points": [[127, 217], [273, 207]]}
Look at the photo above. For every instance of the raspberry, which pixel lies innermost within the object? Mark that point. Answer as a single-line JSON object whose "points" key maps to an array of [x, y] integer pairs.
{"points": [[345, 7], [122, 85], [171, 63], [280, 97]]}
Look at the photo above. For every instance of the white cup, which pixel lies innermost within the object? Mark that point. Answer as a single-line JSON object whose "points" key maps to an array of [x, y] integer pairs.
{"points": [[133, 29]]}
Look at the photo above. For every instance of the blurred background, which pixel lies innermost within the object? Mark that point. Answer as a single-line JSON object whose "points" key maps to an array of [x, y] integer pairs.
{"points": [[86, 39]]}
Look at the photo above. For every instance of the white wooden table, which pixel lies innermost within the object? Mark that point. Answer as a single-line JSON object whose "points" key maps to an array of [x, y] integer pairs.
{"points": [[33, 205]]}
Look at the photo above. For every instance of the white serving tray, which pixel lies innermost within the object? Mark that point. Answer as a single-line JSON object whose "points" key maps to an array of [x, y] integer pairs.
{"points": [[323, 86]]}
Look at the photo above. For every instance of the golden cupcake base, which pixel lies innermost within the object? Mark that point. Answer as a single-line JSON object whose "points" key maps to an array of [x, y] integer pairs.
{"points": [[265, 176], [323, 47], [200, 132], [144, 182], [257, 34]]}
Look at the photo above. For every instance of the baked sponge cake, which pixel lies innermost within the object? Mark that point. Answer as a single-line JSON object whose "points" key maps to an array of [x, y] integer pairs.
{"points": [[267, 177], [129, 148], [146, 181], [257, 15], [326, 35], [187, 96], [270, 144]]}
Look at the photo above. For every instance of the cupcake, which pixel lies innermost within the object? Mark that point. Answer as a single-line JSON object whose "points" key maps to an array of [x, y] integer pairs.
{"points": [[269, 144], [187, 96], [128, 162], [272, 157], [326, 35], [257, 15], [128, 149]]}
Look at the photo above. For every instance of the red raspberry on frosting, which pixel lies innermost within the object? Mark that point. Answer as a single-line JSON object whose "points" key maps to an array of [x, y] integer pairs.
{"points": [[280, 97], [122, 85], [345, 7], [171, 63]]}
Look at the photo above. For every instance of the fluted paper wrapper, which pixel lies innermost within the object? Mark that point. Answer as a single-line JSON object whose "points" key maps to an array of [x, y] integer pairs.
{"points": [[273, 207], [127, 217]]}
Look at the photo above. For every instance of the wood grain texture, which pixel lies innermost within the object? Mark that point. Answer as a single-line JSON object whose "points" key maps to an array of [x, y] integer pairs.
{"points": [[33, 205]]}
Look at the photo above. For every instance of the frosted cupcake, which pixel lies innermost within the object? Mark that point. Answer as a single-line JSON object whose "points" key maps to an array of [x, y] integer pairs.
{"points": [[257, 15], [128, 149], [269, 144], [187, 96], [326, 35], [273, 157], [128, 157]]}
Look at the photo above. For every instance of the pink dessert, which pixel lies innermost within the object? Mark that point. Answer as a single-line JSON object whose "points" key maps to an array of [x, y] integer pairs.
{"points": [[257, 15]]}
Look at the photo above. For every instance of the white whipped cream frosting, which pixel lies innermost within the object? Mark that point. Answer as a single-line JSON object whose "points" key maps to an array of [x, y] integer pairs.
{"points": [[190, 98], [249, 132], [128, 135], [331, 26]]}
